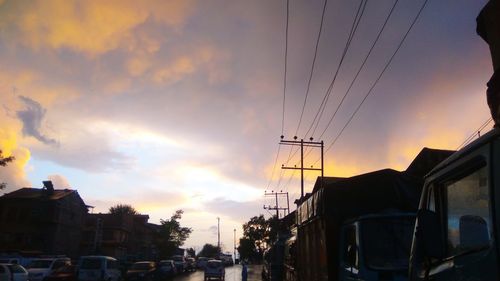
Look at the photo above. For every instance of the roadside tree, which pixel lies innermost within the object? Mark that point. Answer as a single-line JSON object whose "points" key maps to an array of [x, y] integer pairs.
{"points": [[191, 252], [209, 251], [3, 163], [171, 235], [258, 234], [123, 209]]}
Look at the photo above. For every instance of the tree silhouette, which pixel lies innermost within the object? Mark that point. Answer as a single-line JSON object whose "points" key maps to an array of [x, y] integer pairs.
{"points": [[123, 209], [258, 234], [191, 252], [209, 251], [3, 163], [171, 235]]}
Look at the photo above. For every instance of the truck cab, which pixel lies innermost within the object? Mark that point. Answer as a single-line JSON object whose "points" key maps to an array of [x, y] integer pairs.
{"points": [[456, 234], [376, 247]]}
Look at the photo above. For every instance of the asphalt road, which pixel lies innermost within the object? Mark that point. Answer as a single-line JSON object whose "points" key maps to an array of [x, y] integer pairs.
{"points": [[233, 273]]}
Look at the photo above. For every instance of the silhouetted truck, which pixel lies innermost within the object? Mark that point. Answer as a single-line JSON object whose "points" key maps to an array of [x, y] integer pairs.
{"points": [[358, 228], [457, 234]]}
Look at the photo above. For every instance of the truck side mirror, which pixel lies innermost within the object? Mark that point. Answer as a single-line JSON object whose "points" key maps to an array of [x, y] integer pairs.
{"points": [[473, 232], [429, 232]]}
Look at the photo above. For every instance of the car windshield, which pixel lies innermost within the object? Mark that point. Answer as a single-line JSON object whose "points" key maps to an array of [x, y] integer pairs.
{"points": [[214, 264], [165, 264], [16, 268], [177, 258], [40, 264], [90, 263], [141, 266], [387, 242], [65, 269]]}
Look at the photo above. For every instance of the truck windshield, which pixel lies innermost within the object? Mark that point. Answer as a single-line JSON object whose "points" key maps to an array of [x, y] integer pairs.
{"points": [[91, 263], [40, 264], [387, 242]]}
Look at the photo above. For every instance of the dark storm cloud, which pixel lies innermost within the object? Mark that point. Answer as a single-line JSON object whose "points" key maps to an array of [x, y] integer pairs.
{"points": [[32, 117]]}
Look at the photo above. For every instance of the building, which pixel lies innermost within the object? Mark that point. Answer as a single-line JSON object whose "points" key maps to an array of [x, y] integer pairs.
{"points": [[123, 236], [42, 220]]}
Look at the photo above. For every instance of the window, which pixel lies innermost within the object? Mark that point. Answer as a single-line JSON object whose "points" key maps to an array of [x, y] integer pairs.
{"points": [[91, 263], [468, 212], [350, 247], [112, 264], [58, 264], [386, 241], [17, 268], [431, 206]]}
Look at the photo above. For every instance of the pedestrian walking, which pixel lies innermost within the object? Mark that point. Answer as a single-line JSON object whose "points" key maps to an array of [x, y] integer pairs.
{"points": [[244, 272]]}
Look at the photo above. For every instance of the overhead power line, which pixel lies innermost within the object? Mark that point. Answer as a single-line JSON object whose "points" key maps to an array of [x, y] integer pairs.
{"points": [[285, 66], [284, 93], [312, 65], [360, 68], [378, 78], [319, 114], [274, 167], [352, 31], [473, 135]]}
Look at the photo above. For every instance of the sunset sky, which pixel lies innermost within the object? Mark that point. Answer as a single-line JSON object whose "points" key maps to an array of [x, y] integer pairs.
{"points": [[169, 105]]}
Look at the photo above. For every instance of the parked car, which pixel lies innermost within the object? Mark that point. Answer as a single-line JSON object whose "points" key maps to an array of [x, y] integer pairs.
{"points": [[65, 273], [13, 272], [17, 259], [201, 262], [143, 270], [190, 264], [166, 268], [180, 263], [38, 269], [9, 260], [215, 269], [98, 268], [227, 259]]}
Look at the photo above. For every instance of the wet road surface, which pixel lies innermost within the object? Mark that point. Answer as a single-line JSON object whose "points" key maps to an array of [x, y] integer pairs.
{"points": [[233, 273]]}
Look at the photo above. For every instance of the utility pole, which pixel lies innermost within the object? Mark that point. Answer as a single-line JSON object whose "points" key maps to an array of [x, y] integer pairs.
{"points": [[303, 144], [218, 234], [277, 207], [234, 253]]}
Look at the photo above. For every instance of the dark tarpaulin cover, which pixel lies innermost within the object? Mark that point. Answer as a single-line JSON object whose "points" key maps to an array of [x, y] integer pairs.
{"points": [[364, 194]]}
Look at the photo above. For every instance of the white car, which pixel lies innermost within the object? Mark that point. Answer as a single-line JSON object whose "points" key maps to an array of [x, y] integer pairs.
{"points": [[38, 269], [215, 269], [13, 272], [98, 268]]}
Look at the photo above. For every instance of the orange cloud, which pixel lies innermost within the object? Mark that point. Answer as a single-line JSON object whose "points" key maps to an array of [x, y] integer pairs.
{"points": [[14, 173], [174, 72], [91, 27]]}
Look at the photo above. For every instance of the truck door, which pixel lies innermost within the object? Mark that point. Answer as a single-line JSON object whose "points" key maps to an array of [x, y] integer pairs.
{"points": [[461, 198], [349, 255]]}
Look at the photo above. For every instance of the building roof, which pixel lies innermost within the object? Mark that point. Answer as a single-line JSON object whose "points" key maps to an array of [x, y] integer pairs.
{"points": [[426, 160], [326, 181], [38, 193]]}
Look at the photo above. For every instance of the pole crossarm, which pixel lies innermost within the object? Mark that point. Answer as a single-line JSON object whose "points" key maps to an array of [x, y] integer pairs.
{"points": [[303, 144], [306, 143], [277, 208], [298, 168]]}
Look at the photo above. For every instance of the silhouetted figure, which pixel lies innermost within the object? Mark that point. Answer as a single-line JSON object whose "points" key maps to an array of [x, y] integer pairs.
{"points": [[488, 27], [244, 272]]}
